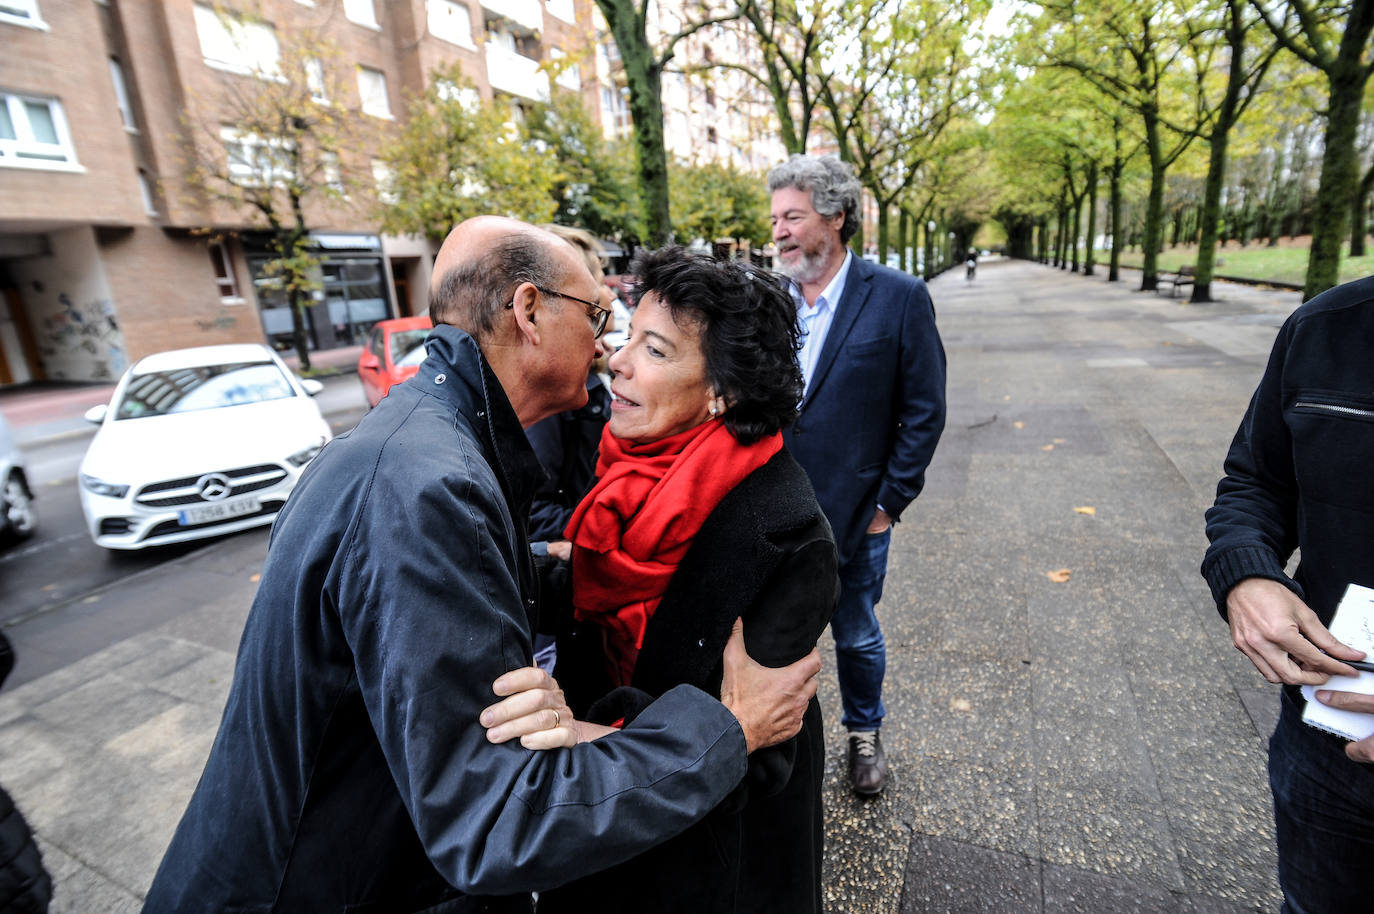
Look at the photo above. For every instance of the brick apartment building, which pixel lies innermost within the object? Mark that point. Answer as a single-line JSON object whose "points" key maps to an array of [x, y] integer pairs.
{"points": [[103, 252]]}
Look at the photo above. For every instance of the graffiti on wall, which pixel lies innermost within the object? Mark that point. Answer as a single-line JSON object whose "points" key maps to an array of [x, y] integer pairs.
{"points": [[223, 322], [88, 332]]}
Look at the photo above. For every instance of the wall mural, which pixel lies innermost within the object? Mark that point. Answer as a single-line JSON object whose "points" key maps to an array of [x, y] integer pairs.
{"points": [[90, 328]]}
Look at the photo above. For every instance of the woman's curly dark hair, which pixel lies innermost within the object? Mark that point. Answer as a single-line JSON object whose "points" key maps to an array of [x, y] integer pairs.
{"points": [[748, 327]]}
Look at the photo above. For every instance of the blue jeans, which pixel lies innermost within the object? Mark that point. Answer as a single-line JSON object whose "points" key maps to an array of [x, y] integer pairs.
{"points": [[1323, 818], [860, 653]]}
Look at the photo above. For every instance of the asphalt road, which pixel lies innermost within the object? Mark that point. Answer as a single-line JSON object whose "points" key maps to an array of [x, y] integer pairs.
{"points": [[48, 581]]}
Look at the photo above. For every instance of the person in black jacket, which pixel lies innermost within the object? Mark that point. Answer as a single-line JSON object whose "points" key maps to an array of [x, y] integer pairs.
{"points": [[1298, 476], [25, 887], [700, 515]]}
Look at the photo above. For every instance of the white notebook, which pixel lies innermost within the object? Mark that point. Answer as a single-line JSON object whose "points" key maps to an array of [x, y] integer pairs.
{"points": [[1353, 624]]}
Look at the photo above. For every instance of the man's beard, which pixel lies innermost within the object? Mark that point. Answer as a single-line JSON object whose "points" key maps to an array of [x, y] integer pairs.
{"points": [[809, 267]]}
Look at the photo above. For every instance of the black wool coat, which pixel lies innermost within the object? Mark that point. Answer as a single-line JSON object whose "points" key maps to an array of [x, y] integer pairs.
{"points": [[766, 554]]}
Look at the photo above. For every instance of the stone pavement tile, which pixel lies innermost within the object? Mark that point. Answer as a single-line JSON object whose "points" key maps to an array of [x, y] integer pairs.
{"points": [[217, 623], [1206, 904], [1263, 707], [956, 593], [951, 877], [205, 681], [69, 677], [990, 806], [866, 843], [1229, 853], [79, 889], [1069, 890], [158, 657], [32, 752], [102, 708], [972, 711], [1087, 735], [1098, 830]]}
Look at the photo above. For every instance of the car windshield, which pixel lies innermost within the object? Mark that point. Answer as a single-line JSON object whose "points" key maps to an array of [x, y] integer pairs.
{"points": [[413, 357], [184, 390], [405, 342]]}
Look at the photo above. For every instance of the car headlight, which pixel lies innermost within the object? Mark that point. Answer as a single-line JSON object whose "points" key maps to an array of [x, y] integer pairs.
{"points": [[101, 487], [301, 458]]}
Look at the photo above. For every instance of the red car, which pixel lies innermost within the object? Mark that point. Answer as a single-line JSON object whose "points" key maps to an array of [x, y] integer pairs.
{"points": [[394, 351]]}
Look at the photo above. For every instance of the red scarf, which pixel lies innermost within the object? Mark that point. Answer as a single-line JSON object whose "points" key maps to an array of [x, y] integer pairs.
{"points": [[636, 524]]}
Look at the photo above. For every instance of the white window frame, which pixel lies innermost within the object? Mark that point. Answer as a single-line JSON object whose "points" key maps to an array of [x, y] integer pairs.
{"points": [[22, 12], [374, 103], [220, 260], [121, 91], [265, 166], [229, 43], [382, 175], [442, 17], [145, 187], [314, 78], [24, 151], [362, 12]]}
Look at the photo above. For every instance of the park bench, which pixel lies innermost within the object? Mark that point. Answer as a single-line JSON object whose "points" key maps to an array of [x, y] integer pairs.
{"points": [[1184, 277]]}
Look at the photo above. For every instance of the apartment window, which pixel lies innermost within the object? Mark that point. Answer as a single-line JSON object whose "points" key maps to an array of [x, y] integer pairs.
{"points": [[710, 134], [381, 173], [21, 12], [33, 134], [451, 22], [145, 187], [333, 174], [256, 161], [710, 97], [563, 9], [126, 111], [314, 78], [361, 12], [372, 90], [224, 274], [230, 43]]}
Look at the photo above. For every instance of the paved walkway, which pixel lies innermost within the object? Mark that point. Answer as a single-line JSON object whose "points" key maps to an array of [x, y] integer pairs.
{"points": [[1095, 745]]}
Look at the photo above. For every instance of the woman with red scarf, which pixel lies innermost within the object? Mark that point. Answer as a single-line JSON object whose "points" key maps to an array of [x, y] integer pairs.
{"points": [[698, 517]]}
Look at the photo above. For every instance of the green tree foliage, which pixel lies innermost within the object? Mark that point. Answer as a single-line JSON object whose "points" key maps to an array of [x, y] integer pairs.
{"points": [[715, 201], [290, 154], [595, 184], [457, 157], [1332, 37]]}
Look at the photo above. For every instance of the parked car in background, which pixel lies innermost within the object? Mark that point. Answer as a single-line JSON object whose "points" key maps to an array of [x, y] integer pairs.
{"points": [[395, 348], [196, 443], [17, 519]]}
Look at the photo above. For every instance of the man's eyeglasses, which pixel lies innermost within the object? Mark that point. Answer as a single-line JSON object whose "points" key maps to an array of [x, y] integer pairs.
{"points": [[595, 312]]}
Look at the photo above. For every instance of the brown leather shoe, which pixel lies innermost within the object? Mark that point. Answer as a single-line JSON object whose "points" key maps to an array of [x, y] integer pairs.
{"points": [[867, 762]]}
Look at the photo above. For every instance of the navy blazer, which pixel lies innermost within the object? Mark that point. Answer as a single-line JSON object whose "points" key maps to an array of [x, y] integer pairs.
{"points": [[874, 410]]}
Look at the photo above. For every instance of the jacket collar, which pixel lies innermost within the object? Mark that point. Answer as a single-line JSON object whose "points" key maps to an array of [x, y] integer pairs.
{"points": [[472, 389]]}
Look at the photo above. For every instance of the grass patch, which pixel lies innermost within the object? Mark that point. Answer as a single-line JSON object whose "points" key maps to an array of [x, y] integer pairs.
{"points": [[1286, 263]]}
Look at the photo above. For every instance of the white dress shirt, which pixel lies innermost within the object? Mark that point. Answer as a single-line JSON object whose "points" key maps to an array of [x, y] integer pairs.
{"points": [[815, 319]]}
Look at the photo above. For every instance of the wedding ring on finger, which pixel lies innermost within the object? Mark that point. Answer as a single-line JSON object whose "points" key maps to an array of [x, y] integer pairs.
{"points": [[557, 719]]}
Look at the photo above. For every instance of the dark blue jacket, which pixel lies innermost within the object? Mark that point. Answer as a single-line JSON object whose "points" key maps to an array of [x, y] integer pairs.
{"points": [[1299, 471], [875, 407], [350, 771]]}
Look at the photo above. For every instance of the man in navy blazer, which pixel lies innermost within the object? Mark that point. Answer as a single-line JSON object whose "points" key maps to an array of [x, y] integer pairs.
{"points": [[871, 416]]}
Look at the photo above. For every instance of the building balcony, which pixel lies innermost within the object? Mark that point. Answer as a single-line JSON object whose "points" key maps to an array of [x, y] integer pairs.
{"points": [[527, 15], [516, 74]]}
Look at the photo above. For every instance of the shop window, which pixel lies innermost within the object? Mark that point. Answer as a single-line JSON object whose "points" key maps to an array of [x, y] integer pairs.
{"points": [[372, 90], [230, 43], [34, 134], [224, 274]]}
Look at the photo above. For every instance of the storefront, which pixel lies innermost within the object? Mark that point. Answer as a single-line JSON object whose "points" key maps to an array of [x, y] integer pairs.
{"points": [[354, 296]]}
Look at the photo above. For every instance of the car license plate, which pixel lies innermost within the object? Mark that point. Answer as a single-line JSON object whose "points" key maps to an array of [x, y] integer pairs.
{"points": [[224, 510]]}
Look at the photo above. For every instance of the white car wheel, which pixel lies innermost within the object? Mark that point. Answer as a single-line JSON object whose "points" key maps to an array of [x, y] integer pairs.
{"points": [[19, 516]]}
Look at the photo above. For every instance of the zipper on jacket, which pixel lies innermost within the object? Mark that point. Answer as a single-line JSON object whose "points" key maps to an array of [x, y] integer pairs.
{"points": [[1333, 408]]}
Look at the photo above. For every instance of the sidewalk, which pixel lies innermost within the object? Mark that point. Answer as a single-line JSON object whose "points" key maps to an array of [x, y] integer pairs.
{"points": [[1091, 746]]}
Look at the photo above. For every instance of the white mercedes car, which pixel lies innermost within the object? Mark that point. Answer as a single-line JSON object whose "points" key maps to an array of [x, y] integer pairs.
{"points": [[196, 443]]}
